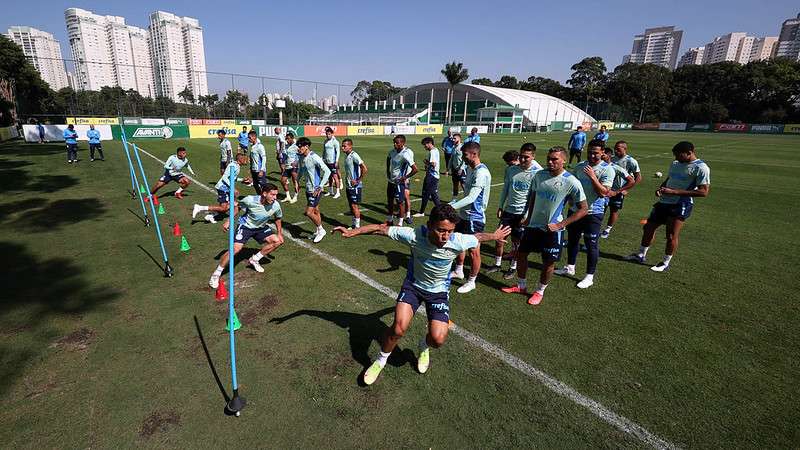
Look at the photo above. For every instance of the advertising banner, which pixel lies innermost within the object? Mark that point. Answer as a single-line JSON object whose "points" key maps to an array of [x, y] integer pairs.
{"points": [[646, 126], [768, 128], [364, 130], [131, 121], [177, 121], [153, 122], [399, 129], [55, 133], [93, 120], [258, 122], [609, 125], [623, 126], [731, 127], [270, 130], [219, 122], [672, 126], [792, 128], [155, 132], [699, 127], [7, 133], [243, 122], [432, 130], [210, 131], [319, 130], [561, 126]]}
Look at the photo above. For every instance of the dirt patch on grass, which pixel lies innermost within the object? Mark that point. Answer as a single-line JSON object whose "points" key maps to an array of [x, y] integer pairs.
{"points": [[13, 331], [159, 422], [78, 340], [250, 311], [335, 364]]}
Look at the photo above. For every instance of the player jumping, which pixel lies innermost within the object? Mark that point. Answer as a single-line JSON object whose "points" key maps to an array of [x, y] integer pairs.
{"points": [[223, 189]]}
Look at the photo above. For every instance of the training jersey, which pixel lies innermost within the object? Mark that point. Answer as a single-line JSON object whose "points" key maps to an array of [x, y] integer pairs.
{"points": [[477, 185], [516, 188], [686, 176], [620, 175], [605, 174], [255, 215], [429, 268], [242, 138], [70, 137], [448, 144], [473, 138], [352, 168], [628, 163], [577, 140], [330, 152], [602, 135], [223, 183], [400, 163], [94, 136], [314, 170], [432, 163], [551, 194], [225, 151], [290, 156], [457, 160], [175, 165], [258, 158], [280, 143]]}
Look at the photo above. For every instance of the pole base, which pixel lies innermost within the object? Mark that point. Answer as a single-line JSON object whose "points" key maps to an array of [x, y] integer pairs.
{"points": [[168, 272], [235, 405], [146, 221]]}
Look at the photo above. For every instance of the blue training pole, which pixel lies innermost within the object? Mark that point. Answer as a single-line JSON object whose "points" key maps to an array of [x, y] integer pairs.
{"points": [[135, 181], [167, 268], [236, 403]]}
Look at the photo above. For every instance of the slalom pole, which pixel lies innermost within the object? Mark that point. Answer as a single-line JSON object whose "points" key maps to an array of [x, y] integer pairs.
{"points": [[167, 268], [236, 403], [135, 181]]}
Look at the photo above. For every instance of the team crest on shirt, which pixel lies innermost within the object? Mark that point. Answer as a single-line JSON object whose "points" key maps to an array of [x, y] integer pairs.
{"points": [[558, 184]]}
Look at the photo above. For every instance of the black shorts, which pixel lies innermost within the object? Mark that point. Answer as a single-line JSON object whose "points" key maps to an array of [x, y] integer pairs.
{"points": [[575, 151], [313, 200], [354, 195], [333, 167], [166, 178], [437, 304], [616, 202], [458, 176], [243, 234], [466, 226], [663, 212], [223, 165], [243, 147], [259, 181], [222, 196], [548, 243], [95, 146], [288, 172], [396, 191], [514, 221]]}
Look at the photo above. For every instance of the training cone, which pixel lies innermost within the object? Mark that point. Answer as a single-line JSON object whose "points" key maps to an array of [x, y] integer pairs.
{"points": [[155, 200], [236, 324], [161, 209], [643, 222], [141, 190], [176, 229], [222, 293], [185, 244]]}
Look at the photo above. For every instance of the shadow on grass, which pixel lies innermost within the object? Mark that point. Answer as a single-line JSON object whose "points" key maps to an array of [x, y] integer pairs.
{"points": [[51, 216], [395, 259], [15, 179], [210, 361], [35, 292], [19, 148]]}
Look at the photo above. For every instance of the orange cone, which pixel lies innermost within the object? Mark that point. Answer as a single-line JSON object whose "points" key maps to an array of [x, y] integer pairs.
{"points": [[176, 229], [222, 293], [643, 221], [155, 200]]}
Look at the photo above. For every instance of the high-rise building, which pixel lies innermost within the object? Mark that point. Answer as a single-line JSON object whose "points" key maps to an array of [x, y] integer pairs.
{"points": [[789, 40], [730, 47], [693, 56], [176, 46], [44, 52], [656, 46], [763, 48], [108, 52]]}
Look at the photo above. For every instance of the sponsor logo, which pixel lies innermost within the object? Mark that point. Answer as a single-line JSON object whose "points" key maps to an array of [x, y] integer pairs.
{"points": [[162, 132], [766, 128], [228, 131], [736, 127]]}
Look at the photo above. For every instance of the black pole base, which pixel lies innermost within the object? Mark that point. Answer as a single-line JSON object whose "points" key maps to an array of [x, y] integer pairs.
{"points": [[168, 272], [146, 221], [235, 405], [133, 196]]}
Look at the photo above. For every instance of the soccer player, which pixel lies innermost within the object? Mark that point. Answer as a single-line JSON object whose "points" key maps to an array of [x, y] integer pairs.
{"points": [[243, 139], [602, 135], [289, 162], [173, 171], [330, 154], [688, 177], [456, 165], [622, 159], [71, 139], [430, 186], [472, 209], [400, 168], [433, 249], [550, 191], [94, 143], [514, 204], [257, 213], [316, 174], [225, 150], [473, 136], [576, 143], [40, 129], [258, 162], [223, 189], [448, 145], [596, 179], [280, 144], [355, 170], [511, 157]]}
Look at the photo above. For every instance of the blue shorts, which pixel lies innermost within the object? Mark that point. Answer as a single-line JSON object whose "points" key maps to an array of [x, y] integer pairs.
{"points": [[354, 195], [223, 165], [259, 182], [288, 172], [548, 243], [166, 178], [663, 212], [397, 191], [243, 234], [333, 167], [243, 147], [222, 196], [437, 305], [616, 202], [465, 226], [313, 200]]}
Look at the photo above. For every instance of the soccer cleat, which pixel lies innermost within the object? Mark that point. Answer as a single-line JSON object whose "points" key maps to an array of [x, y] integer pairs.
{"points": [[466, 287], [509, 274], [536, 298], [256, 265], [326, 194], [660, 267], [196, 210], [419, 214], [514, 290], [294, 199], [635, 257], [319, 235], [214, 281], [287, 199], [585, 283], [178, 195], [566, 270], [605, 234], [424, 360], [91, 160], [457, 274], [69, 161], [494, 269], [210, 218], [372, 372], [337, 194], [409, 220]]}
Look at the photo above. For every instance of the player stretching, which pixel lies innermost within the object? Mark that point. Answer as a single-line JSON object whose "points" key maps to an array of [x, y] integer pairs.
{"points": [[355, 171], [330, 154], [550, 190], [433, 249], [514, 204], [71, 139], [173, 171], [258, 162], [456, 166], [430, 185], [289, 162], [472, 210], [316, 173], [258, 212], [243, 139], [622, 159], [94, 143], [400, 168], [225, 150], [223, 189], [688, 177]]}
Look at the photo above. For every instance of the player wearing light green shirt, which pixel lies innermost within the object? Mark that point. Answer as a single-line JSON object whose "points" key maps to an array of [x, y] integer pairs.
{"points": [[289, 161], [258, 162], [400, 168], [456, 167], [617, 198], [355, 171], [223, 188], [316, 173], [173, 171], [257, 213], [430, 184], [225, 151], [330, 154]]}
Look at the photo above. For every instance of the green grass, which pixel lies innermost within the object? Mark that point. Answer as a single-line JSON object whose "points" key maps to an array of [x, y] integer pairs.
{"points": [[98, 350]]}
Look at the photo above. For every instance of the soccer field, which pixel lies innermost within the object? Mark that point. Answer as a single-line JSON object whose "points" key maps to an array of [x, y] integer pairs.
{"points": [[98, 350]]}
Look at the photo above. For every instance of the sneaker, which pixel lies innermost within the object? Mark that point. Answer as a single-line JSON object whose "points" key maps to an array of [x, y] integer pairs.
{"points": [[69, 161], [457, 274], [566, 270], [372, 372], [196, 210], [293, 199], [179, 195], [419, 214], [327, 194], [256, 265], [535, 299], [424, 360], [635, 257], [466, 287], [91, 160], [660, 267], [210, 218], [514, 290], [509, 274], [318, 236], [605, 234], [494, 269], [585, 283], [287, 199], [337, 194], [214, 281]]}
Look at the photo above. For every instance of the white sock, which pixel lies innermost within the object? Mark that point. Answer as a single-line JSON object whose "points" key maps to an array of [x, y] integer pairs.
{"points": [[357, 222], [408, 214], [667, 259], [472, 279], [522, 283], [383, 358], [180, 189], [498, 260], [459, 268], [540, 289], [257, 257], [320, 229], [608, 228], [219, 270], [513, 265], [423, 344], [643, 250], [400, 222]]}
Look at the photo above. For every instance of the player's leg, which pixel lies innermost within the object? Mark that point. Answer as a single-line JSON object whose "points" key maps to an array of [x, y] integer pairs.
{"points": [[390, 194], [403, 313], [223, 262], [296, 184], [551, 253], [354, 200], [659, 215], [269, 242], [475, 268], [100, 151], [183, 183], [674, 226], [159, 184], [438, 311], [406, 201], [91, 152], [574, 233], [426, 194], [312, 212], [590, 237], [285, 183]]}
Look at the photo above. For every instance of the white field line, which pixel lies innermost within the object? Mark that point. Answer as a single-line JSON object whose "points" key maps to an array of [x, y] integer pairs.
{"points": [[620, 422]]}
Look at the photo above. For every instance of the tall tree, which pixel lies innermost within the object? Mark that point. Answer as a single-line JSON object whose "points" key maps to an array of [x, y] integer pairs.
{"points": [[187, 95], [544, 85], [588, 77], [644, 88], [454, 73], [508, 82], [482, 82], [32, 94]]}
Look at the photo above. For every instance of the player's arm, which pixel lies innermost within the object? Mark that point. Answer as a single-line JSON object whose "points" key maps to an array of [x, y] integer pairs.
{"points": [[701, 191], [503, 195], [499, 235], [326, 174], [189, 168], [381, 229], [413, 172], [473, 194], [599, 188], [279, 227], [583, 209], [363, 173], [630, 182], [529, 206]]}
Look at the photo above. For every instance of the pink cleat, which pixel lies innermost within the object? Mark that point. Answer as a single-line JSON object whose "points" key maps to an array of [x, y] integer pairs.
{"points": [[535, 299], [514, 290]]}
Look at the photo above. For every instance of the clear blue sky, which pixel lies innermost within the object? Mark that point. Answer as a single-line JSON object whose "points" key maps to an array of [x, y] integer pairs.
{"points": [[408, 42]]}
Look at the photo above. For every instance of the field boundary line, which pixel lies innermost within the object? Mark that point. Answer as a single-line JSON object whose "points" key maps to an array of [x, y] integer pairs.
{"points": [[554, 385]]}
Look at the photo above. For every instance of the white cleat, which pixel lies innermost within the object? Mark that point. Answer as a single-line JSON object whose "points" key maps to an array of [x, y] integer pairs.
{"points": [[210, 218], [214, 282], [466, 287], [566, 270], [419, 214], [457, 274], [196, 210], [287, 199], [256, 265], [321, 234], [586, 282], [337, 194], [660, 267]]}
